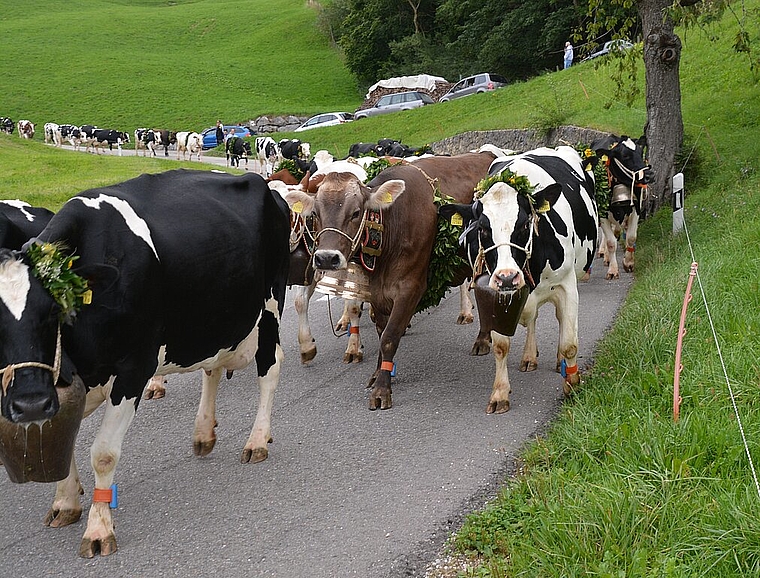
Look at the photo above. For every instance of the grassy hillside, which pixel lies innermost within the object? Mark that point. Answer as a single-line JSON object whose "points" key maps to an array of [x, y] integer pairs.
{"points": [[615, 488], [177, 64]]}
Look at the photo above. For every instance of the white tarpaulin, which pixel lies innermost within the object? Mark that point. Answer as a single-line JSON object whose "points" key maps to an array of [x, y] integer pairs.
{"points": [[411, 82]]}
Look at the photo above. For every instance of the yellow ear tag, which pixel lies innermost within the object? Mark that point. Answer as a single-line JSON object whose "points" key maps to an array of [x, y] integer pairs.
{"points": [[87, 297], [456, 220], [386, 197], [297, 207], [544, 207], [605, 158], [588, 167]]}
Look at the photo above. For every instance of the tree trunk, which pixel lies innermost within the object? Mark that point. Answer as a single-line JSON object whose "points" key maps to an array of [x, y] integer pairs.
{"points": [[664, 127]]}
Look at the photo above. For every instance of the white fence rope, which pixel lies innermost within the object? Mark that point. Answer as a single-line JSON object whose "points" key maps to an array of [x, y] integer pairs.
{"points": [[722, 362]]}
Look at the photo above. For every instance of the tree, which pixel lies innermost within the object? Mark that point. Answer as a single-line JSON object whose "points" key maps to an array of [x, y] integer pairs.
{"points": [[664, 126]]}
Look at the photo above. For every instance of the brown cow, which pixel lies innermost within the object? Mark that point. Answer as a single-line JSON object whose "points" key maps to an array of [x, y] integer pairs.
{"points": [[405, 194]]}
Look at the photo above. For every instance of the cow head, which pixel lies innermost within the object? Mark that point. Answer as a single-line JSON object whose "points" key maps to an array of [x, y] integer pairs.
{"points": [[29, 342], [628, 172], [499, 231], [340, 211]]}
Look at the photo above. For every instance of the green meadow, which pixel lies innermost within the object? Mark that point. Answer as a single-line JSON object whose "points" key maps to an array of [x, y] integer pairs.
{"points": [[616, 487]]}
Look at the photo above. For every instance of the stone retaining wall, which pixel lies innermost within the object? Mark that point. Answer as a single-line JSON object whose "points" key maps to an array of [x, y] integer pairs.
{"points": [[517, 140]]}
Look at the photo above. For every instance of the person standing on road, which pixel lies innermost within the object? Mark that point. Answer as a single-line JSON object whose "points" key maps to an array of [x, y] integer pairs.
{"points": [[219, 132], [568, 54]]}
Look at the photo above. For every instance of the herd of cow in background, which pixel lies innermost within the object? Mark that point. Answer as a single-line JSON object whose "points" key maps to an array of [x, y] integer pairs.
{"points": [[529, 226]]}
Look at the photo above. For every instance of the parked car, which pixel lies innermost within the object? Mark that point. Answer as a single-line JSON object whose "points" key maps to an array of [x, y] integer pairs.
{"points": [[395, 102], [475, 85], [326, 119], [209, 134], [618, 45]]}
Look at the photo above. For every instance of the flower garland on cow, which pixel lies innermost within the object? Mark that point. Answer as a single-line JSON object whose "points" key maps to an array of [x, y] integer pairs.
{"points": [[592, 163]]}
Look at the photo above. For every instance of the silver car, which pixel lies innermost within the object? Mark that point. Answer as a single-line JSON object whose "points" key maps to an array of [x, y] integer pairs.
{"points": [[476, 84], [396, 102]]}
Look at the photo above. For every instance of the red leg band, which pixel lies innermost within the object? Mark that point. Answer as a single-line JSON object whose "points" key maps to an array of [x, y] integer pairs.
{"points": [[386, 365], [100, 495], [571, 369], [353, 330]]}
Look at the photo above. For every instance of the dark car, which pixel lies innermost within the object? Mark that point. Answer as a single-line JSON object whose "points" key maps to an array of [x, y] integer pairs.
{"points": [[476, 84], [618, 45], [395, 102], [209, 134]]}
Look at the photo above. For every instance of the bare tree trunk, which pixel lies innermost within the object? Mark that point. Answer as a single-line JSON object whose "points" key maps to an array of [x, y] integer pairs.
{"points": [[415, 4], [664, 127]]}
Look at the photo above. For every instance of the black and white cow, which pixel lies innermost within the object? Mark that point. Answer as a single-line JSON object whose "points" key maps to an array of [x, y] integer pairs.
{"points": [[26, 129], [545, 241], [52, 134], [71, 133], [6, 125], [19, 222], [145, 141], [267, 152], [294, 149], [102, 137], [361, 149], [189, 143], [165, 299], [627, 175], [236, 149], [166, 138]]}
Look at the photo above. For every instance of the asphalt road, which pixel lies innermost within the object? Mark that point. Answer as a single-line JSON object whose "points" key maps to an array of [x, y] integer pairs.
{"points": [[345, 491]]}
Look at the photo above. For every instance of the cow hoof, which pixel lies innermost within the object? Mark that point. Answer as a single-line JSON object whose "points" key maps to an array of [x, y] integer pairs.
{"points": [[89, 548], [528, 365], [254, 456], [481, 347], [610, 276], [357, 357], [308, 355], [628, 268], [203, 448], [571, 386], [60, 518], [501, 406], [465, 319], [380, 400]]}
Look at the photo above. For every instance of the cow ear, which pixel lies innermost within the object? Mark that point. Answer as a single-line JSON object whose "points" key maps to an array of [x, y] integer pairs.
{"points": [[384, 196], [456, 214], [300, 202], [546, 197], [100, 278]]}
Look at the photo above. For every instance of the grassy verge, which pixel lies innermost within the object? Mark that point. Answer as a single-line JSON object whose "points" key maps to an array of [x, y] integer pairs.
{"points": [[617, 488]]}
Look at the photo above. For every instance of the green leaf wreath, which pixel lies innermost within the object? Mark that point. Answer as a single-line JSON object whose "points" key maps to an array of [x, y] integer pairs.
{"points": [[519, 183], [53, 268], [602, 190], [445, 262]]}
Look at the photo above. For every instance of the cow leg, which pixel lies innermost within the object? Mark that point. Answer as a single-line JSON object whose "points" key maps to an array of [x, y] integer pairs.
{"points": [[465, 305], [66, 508], [529, 361], [204, 436], [499, 401], [352, 310], [610, 252], [389, 329], [269, 358], [565, 298], [99, 537], [302, 295], [631, 232]]}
